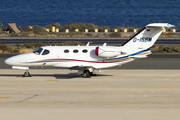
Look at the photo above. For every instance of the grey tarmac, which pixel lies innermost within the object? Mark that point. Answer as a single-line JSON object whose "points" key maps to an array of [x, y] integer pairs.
{"points": [[54, 94]]}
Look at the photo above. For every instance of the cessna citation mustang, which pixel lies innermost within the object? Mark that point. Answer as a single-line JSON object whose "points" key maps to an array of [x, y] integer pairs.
{"points": [[87, 59]]}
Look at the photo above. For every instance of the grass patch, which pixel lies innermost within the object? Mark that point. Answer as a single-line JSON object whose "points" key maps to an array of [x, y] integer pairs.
{"points": [[29, 47]]}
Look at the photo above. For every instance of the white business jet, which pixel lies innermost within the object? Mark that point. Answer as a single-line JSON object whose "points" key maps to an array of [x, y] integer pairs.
{"points": [[87, 59]]}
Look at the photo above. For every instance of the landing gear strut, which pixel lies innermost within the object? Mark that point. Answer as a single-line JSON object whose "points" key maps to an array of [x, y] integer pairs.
{"points": [[91, 74], [27, 74]]}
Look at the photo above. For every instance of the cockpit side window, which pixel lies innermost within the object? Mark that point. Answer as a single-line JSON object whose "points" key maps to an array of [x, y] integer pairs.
{"points": [[45, 52], [38, 51]]}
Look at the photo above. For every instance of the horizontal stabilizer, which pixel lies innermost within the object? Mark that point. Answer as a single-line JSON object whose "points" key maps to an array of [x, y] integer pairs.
{"points": [[160, 25], [138, 56]]}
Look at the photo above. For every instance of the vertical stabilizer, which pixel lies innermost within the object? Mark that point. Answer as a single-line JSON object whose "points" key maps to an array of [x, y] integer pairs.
{"points": [[147, 36]]}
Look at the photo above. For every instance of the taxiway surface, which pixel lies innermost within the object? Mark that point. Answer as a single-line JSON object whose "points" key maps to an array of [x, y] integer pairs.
{"points": [[111, 95]]}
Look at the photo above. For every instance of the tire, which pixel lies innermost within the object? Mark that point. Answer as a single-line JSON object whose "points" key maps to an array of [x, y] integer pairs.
{"points": [[26, 74], [86, 74]]}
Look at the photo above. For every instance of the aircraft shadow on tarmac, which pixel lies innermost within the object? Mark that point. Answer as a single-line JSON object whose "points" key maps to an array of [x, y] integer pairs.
{"points": [[57, 76]]}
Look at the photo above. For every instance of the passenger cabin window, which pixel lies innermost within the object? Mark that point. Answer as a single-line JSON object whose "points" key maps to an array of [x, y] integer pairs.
{"points": [[45, 52], [38, 51], [75, 51], [84, 51], [66, 51]]}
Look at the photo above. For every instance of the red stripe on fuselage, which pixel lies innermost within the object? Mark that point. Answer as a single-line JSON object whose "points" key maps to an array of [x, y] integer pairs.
{"points": [[50, 60]]}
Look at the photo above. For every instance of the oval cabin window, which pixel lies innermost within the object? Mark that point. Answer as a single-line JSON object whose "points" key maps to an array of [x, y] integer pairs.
{"points": [[84, 51], [75, 51], [66, 51]]}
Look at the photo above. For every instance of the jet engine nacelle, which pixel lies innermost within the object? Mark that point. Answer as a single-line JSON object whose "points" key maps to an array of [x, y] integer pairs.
{"points": [[105, 51]]}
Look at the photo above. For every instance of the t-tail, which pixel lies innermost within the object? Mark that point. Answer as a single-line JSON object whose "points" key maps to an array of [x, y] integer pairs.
{"points": [[145, 39]]}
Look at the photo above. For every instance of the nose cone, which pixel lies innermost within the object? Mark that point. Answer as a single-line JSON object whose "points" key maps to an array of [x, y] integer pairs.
{"points": [[7, 61], [12, 61], [19, 60]]}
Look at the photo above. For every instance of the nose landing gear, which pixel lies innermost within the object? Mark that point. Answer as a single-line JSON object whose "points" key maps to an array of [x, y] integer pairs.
{"points": [[27, 74]]}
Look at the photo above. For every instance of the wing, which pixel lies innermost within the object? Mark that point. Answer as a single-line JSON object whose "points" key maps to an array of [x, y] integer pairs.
{"points": [[81, 69]]}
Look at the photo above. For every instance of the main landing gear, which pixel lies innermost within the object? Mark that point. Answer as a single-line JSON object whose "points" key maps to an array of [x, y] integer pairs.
{"points": [[27, 74], [87, 74]]}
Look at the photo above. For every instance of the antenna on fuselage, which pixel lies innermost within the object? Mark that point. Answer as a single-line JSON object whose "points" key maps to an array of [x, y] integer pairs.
{"points": [[104, 44], [88, 43]]}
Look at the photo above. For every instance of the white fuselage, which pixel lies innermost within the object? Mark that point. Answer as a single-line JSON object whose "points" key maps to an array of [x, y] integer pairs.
{"points": [[78, 56]]}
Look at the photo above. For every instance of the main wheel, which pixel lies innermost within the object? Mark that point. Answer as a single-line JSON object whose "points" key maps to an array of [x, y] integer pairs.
{"points": [[86, 74]]}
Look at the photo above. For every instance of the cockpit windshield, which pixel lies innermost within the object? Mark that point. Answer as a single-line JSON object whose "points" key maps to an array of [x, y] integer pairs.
{"points": [[38, 51]]}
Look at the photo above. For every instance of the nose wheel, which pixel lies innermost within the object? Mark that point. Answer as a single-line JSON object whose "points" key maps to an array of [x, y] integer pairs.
{"points": [[27, 74]]}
